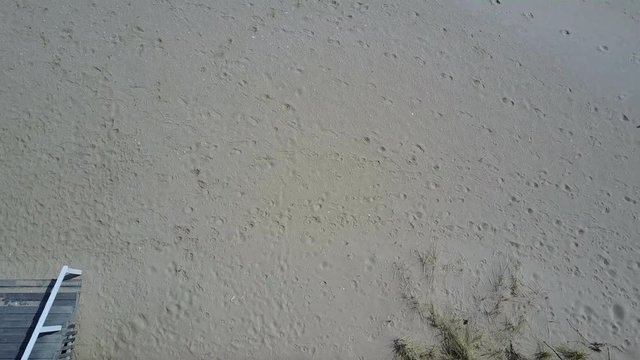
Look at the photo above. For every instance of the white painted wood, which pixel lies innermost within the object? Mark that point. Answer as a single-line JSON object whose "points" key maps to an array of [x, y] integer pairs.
{"points": [[48, 329]]}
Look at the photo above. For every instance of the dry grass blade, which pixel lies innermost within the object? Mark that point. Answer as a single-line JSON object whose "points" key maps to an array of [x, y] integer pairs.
{"points": [[511, 354], [456, 341], [572, 354], [428, 262], [405, 349], [542, 355], [496, 336], [593, 345]]}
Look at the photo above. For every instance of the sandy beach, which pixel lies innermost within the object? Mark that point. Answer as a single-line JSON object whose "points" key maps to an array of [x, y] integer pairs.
{"points": [[258, 180]]}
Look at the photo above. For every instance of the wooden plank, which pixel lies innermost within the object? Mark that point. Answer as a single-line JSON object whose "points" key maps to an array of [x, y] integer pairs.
{"points": [[10, 351], [8, 354], [33, 309], [36, 296], [8, 333], [13, 338], [36, 290], [24, 331], [52, 319], [16, 331], [76, 282], [21, 324], [17, 291], [46, 350], [70, 302]]}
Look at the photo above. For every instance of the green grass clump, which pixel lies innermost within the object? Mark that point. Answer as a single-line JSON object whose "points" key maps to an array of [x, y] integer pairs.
{"points": [[457, 342], [405, 349], [542, 355], [572, 354]]}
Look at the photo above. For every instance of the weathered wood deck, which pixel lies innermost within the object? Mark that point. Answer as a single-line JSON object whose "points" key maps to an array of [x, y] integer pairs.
{"points": [[21, 302]]}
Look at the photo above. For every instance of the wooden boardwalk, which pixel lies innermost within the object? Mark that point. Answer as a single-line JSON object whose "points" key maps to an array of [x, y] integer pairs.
{"points": [[21, 303]]}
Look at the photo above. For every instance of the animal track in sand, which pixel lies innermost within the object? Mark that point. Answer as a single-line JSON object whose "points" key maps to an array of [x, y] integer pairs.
{"points": [[508, 101]]}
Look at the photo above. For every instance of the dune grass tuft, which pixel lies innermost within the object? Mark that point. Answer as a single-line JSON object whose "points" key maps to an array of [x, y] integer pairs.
{"points": [[406, 349], [456, 341], [542, 355], [571, 354], [506, 308]]}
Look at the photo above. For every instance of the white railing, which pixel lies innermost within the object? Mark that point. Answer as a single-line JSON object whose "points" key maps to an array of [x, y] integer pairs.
{"points": [[40, 328]]}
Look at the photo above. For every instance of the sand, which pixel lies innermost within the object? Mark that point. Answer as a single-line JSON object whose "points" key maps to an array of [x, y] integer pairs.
{"points": [[243, 180]]}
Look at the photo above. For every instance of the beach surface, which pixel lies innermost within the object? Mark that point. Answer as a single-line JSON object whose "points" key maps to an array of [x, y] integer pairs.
{"points": [[258, 180]]}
